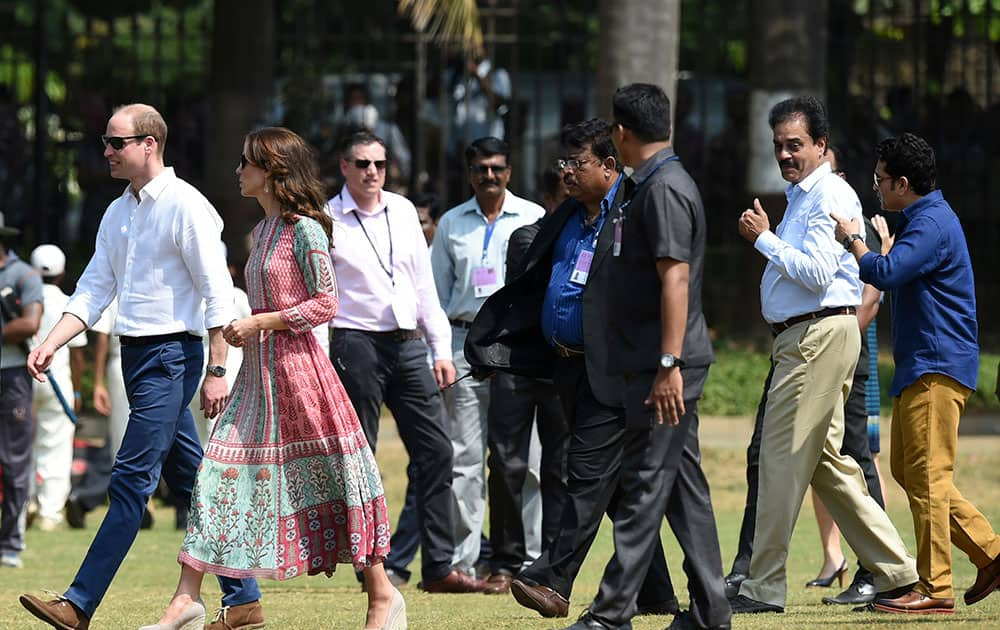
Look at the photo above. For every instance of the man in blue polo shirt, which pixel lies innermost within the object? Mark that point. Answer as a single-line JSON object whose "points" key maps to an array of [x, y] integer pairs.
{"points": [[928, 273]]}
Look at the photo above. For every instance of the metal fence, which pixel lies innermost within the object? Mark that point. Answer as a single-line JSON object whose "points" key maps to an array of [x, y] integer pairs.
{"points": [[925, 65]]}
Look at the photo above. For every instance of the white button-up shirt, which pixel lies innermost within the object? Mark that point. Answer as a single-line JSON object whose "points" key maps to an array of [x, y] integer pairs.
{"points": [[460, 246], [807, 269], [384, 270], [161, 256]]}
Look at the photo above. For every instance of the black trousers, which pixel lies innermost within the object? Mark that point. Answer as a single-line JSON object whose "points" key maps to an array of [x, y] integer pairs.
{"points": [[377, 368], [855, 446], [593, 464], [661, 475], [17, 433], [514, 401]]}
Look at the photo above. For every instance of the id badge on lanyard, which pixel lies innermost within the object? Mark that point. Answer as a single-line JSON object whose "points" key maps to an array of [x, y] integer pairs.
{"points": [[581, 270], [485, 277]]}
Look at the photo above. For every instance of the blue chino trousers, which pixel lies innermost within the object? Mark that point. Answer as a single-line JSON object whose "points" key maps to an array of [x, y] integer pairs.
{"points": [[160, 380]]}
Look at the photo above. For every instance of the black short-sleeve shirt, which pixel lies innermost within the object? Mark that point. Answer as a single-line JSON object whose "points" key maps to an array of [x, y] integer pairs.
{"points": [[665, 219]]}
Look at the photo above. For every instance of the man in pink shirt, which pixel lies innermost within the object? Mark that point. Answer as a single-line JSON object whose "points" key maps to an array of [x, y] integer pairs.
{"points": [[388, 304]]}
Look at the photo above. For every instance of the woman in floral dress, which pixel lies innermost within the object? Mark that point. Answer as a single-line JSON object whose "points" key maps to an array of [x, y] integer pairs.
{"points": [[288, 485]]}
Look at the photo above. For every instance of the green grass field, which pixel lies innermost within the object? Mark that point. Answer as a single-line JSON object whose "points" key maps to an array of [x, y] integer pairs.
{"points": [[149, 574]]}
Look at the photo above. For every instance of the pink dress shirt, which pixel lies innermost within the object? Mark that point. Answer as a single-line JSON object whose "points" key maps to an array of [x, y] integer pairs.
{"points": [[384, 270]]}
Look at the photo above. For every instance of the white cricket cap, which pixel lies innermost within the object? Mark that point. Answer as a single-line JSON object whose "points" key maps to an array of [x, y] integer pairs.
{"points": [[49, 260]]}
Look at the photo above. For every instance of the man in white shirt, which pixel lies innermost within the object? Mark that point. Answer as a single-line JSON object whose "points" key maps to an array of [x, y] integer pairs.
{"points": [[53, 448], [158, 252], [809, 295], [386, 293], [469, 260]]}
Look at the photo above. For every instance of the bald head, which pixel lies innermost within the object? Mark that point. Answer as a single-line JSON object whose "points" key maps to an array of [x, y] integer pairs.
{"points": [[145, 121]]}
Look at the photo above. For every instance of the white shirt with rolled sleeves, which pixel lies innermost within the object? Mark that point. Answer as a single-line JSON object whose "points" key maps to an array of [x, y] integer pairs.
{"points": [[369, 299], [807, 269], [161, 257], [459, 251]]}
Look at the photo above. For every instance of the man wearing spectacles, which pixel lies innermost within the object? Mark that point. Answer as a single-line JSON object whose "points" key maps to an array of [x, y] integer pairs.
{"points": [[927, 270], [468, 258], [556, 311], [388, 307], [158, 252]]}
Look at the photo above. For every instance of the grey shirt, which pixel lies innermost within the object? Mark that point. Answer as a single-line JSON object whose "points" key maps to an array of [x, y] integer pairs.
{"points": [[664, 219], [27, 286]]}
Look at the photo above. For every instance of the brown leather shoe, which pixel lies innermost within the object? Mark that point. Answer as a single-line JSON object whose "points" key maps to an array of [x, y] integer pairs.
{"points": [[987, 581], [541, 599], [58, 613], [454, 582], [249, 616], [916, 603], [498, 584]]}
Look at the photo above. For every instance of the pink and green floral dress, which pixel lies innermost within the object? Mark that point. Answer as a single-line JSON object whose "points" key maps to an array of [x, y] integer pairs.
{"points": [[288, 485]]}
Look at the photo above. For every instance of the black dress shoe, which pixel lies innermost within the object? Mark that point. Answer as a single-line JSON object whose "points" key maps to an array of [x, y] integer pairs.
{"points": [[76, 516], [743, 604], [669, 607], [733, 581], [857, 593], [588, 621]]}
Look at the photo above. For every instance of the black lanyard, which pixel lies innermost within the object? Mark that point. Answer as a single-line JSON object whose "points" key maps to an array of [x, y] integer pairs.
{"points": [[619, 218], [388, 270]]}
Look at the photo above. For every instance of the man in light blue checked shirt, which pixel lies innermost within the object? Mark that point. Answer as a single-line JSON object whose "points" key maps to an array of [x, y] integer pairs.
{"points": [[468, 259]]}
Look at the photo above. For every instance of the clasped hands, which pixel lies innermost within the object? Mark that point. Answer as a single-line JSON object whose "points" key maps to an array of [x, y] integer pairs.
{"points": [[239, 330]]}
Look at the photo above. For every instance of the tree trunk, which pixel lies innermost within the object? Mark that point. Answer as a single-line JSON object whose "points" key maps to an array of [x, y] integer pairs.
{"points": [[241, 86], [639, 42], [787, 58]]}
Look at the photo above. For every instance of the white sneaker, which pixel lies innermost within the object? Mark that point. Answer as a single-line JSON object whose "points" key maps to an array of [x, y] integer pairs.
{"points": [[47, 524], [11, 559]]}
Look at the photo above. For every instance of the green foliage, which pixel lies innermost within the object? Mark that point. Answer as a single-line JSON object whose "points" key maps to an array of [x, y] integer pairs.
{"points": [[735, 382]]}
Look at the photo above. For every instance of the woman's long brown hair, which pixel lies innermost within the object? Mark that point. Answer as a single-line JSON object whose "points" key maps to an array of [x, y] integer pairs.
{"points": [[294, 173]]}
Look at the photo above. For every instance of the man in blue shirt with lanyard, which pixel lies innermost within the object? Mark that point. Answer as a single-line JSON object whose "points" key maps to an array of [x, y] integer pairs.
{"points": [[556, 313], [928, 273]]}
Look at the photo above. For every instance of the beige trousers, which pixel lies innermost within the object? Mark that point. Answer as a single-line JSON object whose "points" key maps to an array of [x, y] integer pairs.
{"points": [[924, 439], [802, 434]]}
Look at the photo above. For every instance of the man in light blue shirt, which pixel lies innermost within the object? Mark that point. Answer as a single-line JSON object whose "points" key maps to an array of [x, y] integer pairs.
{"points": [[809, 295], [468, 259]]}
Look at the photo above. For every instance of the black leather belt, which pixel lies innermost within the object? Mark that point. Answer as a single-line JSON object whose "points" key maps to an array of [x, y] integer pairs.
{"points": [[460, 323], [400, 334], [565, 351], [781, 327], [151, 339]]}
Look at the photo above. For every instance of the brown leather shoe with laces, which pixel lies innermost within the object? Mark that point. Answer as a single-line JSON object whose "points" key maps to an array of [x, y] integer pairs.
{"points": [[987, 581], [249, 616], [58, 613]]}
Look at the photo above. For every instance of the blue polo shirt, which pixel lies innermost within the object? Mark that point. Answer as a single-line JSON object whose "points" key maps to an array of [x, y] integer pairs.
{"points": [[933, 295], [562, 310]]}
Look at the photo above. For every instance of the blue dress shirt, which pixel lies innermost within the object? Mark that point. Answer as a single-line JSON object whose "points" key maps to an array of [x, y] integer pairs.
{"points": [[562, 310], [928, 273]]}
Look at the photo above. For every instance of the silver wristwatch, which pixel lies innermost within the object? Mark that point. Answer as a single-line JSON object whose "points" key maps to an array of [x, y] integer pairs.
{"points": [[216, 370], [668, 361]]}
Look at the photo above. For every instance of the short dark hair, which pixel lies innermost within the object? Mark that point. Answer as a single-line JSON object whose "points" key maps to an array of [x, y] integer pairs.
{"points": [[359, 138], [487, 147], [550, 180], [809, 108], [594, 133], [644, 109], [911, 157], [427, 200]]}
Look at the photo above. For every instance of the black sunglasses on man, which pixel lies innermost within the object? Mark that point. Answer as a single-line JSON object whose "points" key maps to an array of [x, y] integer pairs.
{"points": [[118, 142]]}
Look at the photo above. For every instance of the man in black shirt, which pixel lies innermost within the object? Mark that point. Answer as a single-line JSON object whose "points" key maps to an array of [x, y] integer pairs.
{"points": [[659, 344]]}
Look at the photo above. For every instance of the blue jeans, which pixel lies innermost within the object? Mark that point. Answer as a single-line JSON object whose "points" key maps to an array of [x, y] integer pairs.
{"points": [[160, 380]]}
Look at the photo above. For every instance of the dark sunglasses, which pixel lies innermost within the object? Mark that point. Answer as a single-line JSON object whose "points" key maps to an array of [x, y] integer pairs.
{"points": [[482, 169], [363, 164], [118, 142], [244, 160]]}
